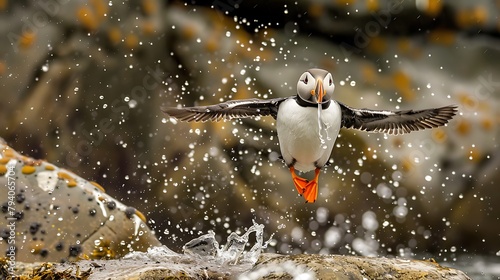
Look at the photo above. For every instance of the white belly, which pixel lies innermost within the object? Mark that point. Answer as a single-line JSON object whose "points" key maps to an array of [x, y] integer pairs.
{"points": [[302, 142]]}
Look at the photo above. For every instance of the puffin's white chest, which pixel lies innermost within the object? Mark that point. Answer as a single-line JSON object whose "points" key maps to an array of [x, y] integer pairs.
{"points": [[305, 142]]}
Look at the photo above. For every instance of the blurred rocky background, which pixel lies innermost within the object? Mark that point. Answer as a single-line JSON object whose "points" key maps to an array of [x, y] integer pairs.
{"points": [[82, 83]]}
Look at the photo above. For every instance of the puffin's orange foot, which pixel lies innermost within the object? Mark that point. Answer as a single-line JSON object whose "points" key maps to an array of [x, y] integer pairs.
{"points": [[300, 184], [311, 191]]}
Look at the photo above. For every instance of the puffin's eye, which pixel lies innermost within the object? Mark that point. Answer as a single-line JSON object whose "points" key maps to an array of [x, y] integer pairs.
{"points": [[329, 79], [306, 80]]}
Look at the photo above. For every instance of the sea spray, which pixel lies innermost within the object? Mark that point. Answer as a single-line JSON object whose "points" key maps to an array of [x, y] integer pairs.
{"points": [[323, 127]]}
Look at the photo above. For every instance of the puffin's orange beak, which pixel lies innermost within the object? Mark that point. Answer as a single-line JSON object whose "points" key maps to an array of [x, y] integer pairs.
{"points": [[320, 92]]}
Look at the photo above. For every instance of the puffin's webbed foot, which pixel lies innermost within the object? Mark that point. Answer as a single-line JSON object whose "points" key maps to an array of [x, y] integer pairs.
{"points": [[309, 189]]}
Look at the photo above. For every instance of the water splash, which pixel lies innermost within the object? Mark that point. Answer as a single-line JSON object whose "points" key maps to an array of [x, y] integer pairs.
{"points": [[322, 126], [205, 245], [233, 252]]}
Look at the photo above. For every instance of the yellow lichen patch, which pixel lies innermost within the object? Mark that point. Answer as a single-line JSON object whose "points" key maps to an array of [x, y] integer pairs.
{"points": [[407, 165], [5, 160], [397, 142], [439, 135], [463, 127], [87, 18], [372, 5], [72, 184], [377, 45], [69, 179], [8, 152], [3, 169], [480, 15], [189, 31], [401, 80], [28, 169], [141, 216], [27, 39], [465, 99], [50, 167], [433, 7], [315, 10], [148, 28], [402, 83], [442, 36], [212, 45], [487, 124], [101, 198], [472, 17], [100, 8], [3, 4], [114, 35], [148, 7], [98, 186], [131, 41]]}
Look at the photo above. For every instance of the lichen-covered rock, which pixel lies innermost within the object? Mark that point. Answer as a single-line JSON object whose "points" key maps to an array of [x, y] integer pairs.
{"points": [[269, 266], [52, 214], [348, 267]]}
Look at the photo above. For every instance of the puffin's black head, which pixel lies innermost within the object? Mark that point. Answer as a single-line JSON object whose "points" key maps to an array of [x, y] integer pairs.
{"points": [[315, 86]]}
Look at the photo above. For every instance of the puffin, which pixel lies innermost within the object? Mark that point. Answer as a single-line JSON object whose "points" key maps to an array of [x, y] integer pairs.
{"points": [[309, 122]]}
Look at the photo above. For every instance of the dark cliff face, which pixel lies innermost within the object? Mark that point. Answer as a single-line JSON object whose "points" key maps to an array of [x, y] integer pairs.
{"points": [[83, 84]]}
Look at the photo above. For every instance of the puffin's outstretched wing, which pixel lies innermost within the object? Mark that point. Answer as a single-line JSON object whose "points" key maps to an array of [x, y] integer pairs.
{"points": [[245, 108], [395, 122]]}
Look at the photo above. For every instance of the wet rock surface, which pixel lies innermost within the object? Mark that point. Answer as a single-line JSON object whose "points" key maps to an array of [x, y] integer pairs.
{"points": [[268, 266], [349, 267], [49, 213]]}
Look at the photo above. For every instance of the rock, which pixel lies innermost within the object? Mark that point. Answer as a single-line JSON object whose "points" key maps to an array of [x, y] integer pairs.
{"points": [[52, 214], [271, 266], [268, 266]]}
